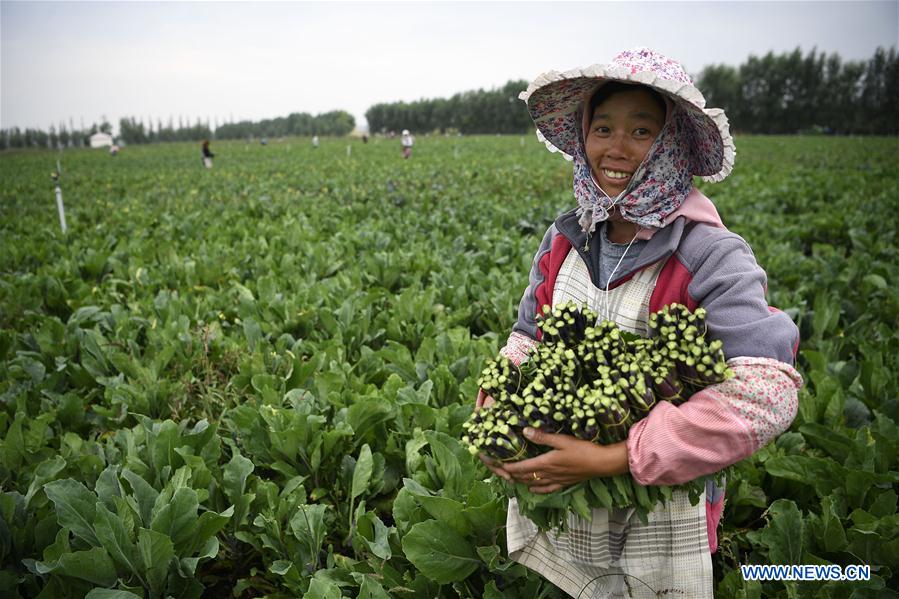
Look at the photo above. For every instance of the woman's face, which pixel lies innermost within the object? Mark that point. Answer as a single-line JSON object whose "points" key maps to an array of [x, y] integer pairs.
{"points": [[622, 130]]}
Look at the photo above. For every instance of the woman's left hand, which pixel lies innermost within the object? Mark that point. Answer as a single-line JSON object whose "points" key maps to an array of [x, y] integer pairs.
{"points": [[570, 461]]}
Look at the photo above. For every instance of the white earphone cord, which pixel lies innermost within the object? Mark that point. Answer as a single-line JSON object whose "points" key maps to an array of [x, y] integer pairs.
{"points": [[606, 304]]}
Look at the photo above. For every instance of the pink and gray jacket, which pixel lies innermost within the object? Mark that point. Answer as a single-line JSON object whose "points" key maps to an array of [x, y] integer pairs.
{"points": [[707, 266]]}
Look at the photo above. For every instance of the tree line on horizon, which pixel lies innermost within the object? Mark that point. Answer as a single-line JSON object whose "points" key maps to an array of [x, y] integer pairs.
{"points": [[472, 112], [135, 131], [334, 123], [817, 92], [775, 94]]}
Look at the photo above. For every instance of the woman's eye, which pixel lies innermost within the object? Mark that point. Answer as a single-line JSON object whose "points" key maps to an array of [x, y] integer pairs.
{"points": [[642, 132], [601, 130]]}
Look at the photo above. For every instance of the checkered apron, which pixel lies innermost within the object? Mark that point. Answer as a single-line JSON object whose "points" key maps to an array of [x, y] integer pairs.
{"points": [[616, 555]]}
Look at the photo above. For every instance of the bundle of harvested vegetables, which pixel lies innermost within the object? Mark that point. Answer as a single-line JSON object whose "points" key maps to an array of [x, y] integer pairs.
{"points": [[593, 381]]}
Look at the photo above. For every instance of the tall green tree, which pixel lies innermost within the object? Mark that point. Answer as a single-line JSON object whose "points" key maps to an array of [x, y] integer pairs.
{"points": [[791, 93], [476, 111]]}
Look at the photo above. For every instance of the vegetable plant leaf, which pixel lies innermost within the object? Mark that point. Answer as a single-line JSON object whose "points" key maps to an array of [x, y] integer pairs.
{"points": [[320, 589], [115, 539], [144, 493], [439, 552], [108, 486], [784, 534], [308, 527], [834, 535], [93, 565], [371, 589], [177, 519], [362, 472], [75, 507], [156, 551], [45, 471], [111, 594], [447, 511]]}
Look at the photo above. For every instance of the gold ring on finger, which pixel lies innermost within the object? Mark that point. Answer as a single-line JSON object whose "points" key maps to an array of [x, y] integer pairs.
{"points": [[535, 476]]}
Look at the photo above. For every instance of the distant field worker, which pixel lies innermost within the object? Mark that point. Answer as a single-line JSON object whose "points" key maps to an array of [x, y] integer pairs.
{"points": [[315, 141], [407, 141], [640, 238], [207, 154]]}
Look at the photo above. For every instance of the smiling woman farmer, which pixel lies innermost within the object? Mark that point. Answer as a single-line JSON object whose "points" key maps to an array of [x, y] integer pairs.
{"points": [[643, 237]]}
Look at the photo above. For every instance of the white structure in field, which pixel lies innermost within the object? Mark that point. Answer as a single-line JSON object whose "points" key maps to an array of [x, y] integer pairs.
{"points": [[101, 140]]}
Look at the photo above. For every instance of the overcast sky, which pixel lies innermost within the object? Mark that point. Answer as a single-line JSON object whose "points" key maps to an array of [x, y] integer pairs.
{"points": [[218, 60]]}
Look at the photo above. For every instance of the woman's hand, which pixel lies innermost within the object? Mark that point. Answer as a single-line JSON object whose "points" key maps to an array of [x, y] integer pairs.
{"points": [[569, 462], [482, 401]]}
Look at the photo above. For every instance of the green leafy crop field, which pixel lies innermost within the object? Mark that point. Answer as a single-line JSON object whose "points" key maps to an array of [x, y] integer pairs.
{"points": [[251, 380]]}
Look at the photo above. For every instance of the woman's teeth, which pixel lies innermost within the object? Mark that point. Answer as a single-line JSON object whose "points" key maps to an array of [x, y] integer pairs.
{"points": [[615, 174]]}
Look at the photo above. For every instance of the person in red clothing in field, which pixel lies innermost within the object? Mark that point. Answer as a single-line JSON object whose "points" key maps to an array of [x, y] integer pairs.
{"points": [[640, 238]]}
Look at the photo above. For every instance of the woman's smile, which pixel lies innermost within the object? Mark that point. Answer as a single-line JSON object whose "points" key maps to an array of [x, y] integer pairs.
{"points": [[615, 175]]}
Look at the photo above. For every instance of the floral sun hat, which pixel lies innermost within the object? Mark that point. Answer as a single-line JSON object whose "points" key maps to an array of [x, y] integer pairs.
{"points": [[555, 101]]}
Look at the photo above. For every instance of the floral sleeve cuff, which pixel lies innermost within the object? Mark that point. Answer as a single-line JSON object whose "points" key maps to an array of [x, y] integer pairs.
{"points": [[764, 392], [718, 426], [517, 348]]}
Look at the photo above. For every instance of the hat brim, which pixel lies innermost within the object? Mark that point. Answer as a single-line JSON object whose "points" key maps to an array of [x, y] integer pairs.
{"points": [[555, 101]]}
